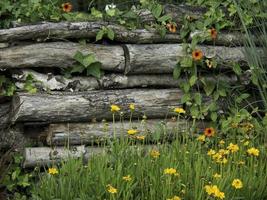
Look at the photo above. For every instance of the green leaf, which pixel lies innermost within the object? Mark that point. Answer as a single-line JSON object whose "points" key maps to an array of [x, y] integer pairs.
{"points": [[79, 57], [177, 71], [88, 60], [94, 70], [110, 33], [213, 116], [186, 62], [100, 34], [111, 12], [157, 10], [192, 80], [209, 86], [164, 18], [77, 68], [186, 98], [237, 69], [198, 98], [186, 87], [96, 13]]}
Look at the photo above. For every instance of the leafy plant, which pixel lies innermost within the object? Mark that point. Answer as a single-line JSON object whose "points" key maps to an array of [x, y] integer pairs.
{"points": [[7, 87], [105, 31], [87, 63]]}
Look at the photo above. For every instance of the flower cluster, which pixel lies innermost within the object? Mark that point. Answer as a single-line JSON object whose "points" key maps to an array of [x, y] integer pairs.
{"points": [[214, 191]]}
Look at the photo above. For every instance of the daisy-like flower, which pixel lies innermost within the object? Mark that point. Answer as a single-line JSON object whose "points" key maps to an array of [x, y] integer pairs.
{"points": [[132, 107], [52, 171], [209, 63], [127, 178], [197, 55], [213, 33], [253, 151], [132, 131], [67, 7], [175, 198], [237, 184], [201, 138], [209, 132], [211, 152], [179, 110], [233, 147], [114, 108], [171, 27], [221, 142], [154, 153], [170, 171], [140, 137], [111, 189], [217, 176]]}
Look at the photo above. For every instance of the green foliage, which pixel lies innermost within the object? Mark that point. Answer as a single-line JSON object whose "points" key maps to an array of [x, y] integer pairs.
{"points": [[87, 63], [105, 31], [17, 181], [7, 87], [29, 84]]}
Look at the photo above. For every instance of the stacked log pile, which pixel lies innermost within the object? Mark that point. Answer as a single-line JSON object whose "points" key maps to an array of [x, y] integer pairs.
{"points": [[70, 111]]}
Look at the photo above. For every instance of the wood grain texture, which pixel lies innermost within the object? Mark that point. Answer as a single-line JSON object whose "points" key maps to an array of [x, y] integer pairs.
{"points": [[85, 106], [60, 54]]}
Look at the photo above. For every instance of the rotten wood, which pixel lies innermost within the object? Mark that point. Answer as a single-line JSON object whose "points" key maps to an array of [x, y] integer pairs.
{"points": [[60, 54], [85, 106]]}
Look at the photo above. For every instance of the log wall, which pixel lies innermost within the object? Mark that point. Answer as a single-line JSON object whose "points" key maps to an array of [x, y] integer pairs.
{"points": [[137, 66]]}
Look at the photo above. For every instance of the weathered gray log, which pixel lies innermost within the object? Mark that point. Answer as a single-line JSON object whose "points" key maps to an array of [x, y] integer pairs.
{"points": [[85, 106], [5, 112], [161, 58], [152, 59], [111, 81], [42, 156], [60, 54], [68, 30], [91, 133], [3, 45]]}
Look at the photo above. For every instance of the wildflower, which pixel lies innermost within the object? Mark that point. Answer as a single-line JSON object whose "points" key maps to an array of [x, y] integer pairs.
{"points": [[132, 131], [131, 106], [223, 161], [111, 189], [109, 7], [52, 171], [66, 7], [216, 175], [201, 138], [154, 153], [237, 184], [213, 33], [114, 108], [214, 190], [175, 198], [211, 152], [219, 194], [217, 156], [170, 171], [233, 147], [127, 178], [171, 27], [221, 142], [179, 110], [241, 162], [197, 55], [253, 151], [209, 132], [223, 152], [140, 137]]}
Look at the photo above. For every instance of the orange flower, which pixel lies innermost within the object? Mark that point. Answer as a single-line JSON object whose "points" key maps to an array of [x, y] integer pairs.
{"points": [[209, 132], [197, 55], [213, 33], [66, 7], [171, 27]]}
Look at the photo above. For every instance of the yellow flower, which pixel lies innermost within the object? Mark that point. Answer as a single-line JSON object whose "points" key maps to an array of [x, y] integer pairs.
{"points": [[132, 131], [154, 153], [233, 147], [52, 171], [170, 171], [201, 138], [114, 108], [132, 107], [253, 151], [241, 162], [217, 156], [219, 194], [127, 178], [175, 198], [221, 142], [111, 189], [237, 184], [214, 190], [223, 152], [179, 110], [216, 175], [211, 152], [140, 137]]}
